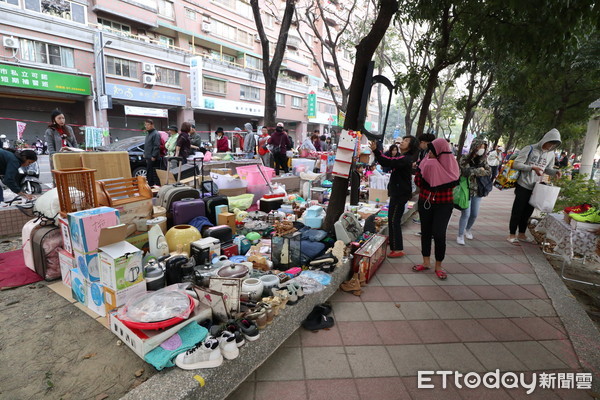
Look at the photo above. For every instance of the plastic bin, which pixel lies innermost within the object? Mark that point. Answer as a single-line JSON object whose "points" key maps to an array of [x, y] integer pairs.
{"points": [[302, 165], [228, 181], [252, 175]]}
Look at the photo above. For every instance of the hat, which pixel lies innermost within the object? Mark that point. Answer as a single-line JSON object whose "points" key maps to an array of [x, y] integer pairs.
{"points": [[500, 148], [219, 129], [237, 129], [172, 128], [280, 124]]}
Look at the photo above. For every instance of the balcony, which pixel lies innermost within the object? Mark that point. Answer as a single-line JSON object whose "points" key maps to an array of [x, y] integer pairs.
{"points": [[294, 41]]}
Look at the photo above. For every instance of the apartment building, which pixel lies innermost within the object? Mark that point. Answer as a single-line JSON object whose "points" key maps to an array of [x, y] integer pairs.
{"points": [[113, 63]]}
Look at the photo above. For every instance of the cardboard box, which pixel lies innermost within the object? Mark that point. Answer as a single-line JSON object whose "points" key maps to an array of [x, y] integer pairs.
{"points": [[116, 298], [63, 224], [142, 342], [88, 265], [120, 261], [95, 298], [85, 227], [130, 213], [79, 286], [139, 240], [204, 250], [67, 263], [232, 192], [227, 218], [221, 208], [378, 196]]}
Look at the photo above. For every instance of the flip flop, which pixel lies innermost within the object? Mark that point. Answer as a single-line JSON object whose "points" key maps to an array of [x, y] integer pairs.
{"points": [[419, 268], [514, 241], [527, 240], [441, 274]]}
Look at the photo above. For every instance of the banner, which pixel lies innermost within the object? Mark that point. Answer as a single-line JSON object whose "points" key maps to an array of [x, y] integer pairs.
{"points": [[196, 81], [312, 105], [20, 129], [29, 78], [147, 112], [93, 136]]}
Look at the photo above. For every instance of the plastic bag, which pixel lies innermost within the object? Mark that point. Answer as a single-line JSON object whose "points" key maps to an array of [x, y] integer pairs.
{"points": [[322, 277], [544, 197], [164, 304], [461, 194], [309, 285], [48, 204], [243, 201]]}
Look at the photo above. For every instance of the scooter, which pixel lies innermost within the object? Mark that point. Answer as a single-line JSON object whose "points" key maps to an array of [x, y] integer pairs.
{"points": [[30, 179], [39, 146]]}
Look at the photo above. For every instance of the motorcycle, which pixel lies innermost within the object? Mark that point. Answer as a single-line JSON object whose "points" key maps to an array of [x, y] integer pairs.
{"points": [[39, 147], [29, 179]]}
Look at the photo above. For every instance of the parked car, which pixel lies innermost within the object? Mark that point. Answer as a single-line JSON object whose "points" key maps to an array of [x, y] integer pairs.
{"points": [[135, 147]]}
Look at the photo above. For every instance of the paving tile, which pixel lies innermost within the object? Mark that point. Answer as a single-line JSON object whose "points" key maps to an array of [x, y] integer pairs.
{"points": [[483, 393], [538, 290], [432, 293], [411, 358], [322, 337], [340, 295], [535, 356], [464, 259], [570, 394], [358, 333], [403, 293], [289, 390], [417, 310], [243, 392], [469, 330], [537, 394], [498, 268], [326, 363], [489, 292], [396, 332], [471, 279], [510, 308], [434, 331], [480, 309], [382, 389], [461, 293], [564, 351], [495, 356], [449, 393], [455, 357], [386, 268], [376, 281], [495, 279], [394, 280], [285, 364], [374, 293], [539, 307], [448, 309], [384, 311], [332, 389], [424, 278], [538, 329], [504, 329], [293, 340], [370, 361], [522, 279], [350, 311], [557, 323]]}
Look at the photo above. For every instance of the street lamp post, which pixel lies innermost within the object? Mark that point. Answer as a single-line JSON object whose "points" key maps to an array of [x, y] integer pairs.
{"points": [[101, 100]]}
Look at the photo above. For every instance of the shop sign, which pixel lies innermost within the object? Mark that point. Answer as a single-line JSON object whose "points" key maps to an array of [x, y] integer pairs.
{"points": [[237, 107], [146, 112], [312, 105], [146, 95], [29, 78], [196, 81]]}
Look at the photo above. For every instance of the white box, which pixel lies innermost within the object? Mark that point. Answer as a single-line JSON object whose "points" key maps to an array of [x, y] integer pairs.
{"points": [[120, 265], [88, 264], [67, 263], [116, 298], [142, 342], [85, 227], [79, 286], [95, 298], [63, 224]]}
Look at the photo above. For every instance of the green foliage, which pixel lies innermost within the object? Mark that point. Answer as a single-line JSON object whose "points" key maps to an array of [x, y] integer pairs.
{"points": [[576, 191]]}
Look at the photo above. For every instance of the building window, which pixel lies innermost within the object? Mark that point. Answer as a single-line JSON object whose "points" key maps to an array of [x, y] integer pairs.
{"points": [[62, 9], [249, 93], [226, 3], [165, 8], [167, 76], [223, 30], [113, 26], [121, 67], [253, 62], [327, 108], [166, 41], [13, 2], [244, 9], [191, 14], [268, 20], [280, 99], [244, 37], [228, 58], [215, 86], [346, 54], [296, 102], [309, 38], [45, 53]]}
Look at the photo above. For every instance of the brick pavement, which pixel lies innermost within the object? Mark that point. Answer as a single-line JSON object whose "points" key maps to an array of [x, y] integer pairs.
{"points": [[491, 313]]}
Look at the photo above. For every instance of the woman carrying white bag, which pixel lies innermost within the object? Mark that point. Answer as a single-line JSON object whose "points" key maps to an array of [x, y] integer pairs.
{"points": [[532, 162]]}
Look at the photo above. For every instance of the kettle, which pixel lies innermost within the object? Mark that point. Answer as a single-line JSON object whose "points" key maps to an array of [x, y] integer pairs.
{"points": [[174, 271], [155, 274]]}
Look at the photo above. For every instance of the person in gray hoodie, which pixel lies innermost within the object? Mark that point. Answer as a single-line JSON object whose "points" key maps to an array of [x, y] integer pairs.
{"points": [[533, 161], [249, 141]]}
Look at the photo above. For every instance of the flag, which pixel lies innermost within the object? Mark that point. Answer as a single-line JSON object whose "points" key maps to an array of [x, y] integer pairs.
{"points": [[20, 129]]}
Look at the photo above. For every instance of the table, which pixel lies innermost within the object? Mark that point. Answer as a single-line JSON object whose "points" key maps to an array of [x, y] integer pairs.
{"points": [[570, 241]]}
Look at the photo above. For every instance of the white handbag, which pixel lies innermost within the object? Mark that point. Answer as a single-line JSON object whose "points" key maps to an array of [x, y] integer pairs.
{"points": [[544, 197]]}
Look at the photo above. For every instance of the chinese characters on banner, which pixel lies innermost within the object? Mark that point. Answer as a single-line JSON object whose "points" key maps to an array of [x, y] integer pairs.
{"points": [[93, 136], [20, 129], [312, 105]]}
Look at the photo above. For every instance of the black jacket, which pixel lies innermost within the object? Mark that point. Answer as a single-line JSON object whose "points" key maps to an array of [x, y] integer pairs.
{"points": [[401, 179], [152, 145]]}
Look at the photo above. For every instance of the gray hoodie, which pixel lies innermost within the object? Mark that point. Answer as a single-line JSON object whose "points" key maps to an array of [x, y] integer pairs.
{"points": [[535, 156], [249, 139]]}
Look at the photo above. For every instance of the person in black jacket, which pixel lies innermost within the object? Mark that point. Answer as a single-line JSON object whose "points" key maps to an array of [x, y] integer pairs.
{"points": [[399, 188], [10, 162], [151, 152]]}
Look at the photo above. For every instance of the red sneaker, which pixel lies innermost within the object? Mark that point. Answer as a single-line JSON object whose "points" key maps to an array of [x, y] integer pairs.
{"points": [[396, 254], [578, 209]]}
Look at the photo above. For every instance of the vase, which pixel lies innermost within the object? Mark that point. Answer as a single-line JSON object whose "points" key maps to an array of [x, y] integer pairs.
{"points": [[269, 282], [182, 235], [253, 288]]}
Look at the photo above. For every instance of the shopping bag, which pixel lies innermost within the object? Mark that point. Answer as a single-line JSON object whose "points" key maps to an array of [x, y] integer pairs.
{"points": [[507, 177], [484, 185], [544, 197], [461, 194]]}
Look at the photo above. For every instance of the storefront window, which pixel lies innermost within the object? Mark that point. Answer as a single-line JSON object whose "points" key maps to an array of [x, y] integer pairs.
{"points": [[121, 67], [167, 76], [45, 53]]}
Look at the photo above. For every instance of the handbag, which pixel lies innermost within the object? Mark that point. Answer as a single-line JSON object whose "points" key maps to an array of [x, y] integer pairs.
{"points": [[461, 194], [544, 197], [484, 185], [507, 177]]}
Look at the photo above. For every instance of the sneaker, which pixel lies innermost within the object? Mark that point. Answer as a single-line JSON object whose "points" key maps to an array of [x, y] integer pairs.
{"points": [[233, 327], [469, 234], [460, 239], [248, 329], [578, 209], [417, 233], [591, 216], [229, 348], [204, 355]]}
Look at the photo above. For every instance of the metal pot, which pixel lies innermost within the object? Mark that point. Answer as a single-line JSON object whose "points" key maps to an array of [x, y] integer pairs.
{"points": [[155, 275], [233, 271]]}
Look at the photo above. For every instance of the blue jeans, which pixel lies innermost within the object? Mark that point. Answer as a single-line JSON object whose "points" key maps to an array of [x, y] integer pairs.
{"points": [[468, 216]]}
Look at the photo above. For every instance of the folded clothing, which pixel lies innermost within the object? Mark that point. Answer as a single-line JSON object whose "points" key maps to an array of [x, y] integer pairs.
{"points": [[185, 339]]}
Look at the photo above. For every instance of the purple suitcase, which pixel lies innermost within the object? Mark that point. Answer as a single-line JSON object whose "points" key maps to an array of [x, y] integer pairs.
{"points": [[186, 210]]}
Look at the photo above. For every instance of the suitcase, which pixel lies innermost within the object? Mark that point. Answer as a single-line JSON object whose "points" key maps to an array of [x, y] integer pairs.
{"points": [[170, 193], [211, 203], [26, 234], [222, 232], [187, 209], [45, 243]]}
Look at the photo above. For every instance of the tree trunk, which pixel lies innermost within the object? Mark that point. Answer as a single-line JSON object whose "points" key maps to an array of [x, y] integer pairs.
{"points": [[509, 142], [364, 53], [430, 88], [270, 102]]}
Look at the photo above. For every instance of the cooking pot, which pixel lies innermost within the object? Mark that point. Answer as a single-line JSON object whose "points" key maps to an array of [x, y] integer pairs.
{"points": [[233, 271]]}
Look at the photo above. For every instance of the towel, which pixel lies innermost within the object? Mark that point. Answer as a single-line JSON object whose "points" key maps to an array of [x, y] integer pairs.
{"points": [[185, 339]]}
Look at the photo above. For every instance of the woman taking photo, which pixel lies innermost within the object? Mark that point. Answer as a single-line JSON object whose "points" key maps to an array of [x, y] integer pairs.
{"points": [[437, 175], [399, 188], [474, 167]]}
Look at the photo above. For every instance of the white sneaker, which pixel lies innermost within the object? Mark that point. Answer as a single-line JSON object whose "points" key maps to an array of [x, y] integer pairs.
{"points": [[460, 239], [204, 355], [469, 234], [228, 347]]}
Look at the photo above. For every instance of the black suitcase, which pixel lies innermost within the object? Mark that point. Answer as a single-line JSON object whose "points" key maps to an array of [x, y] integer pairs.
{"points": [[211, 203], [222, 232]]}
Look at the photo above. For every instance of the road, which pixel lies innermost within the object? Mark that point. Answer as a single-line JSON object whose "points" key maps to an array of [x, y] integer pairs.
{"points": [[45, 173]]}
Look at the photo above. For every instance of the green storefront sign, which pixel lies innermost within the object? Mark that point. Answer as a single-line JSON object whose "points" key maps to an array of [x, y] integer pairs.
{"points": [[28, 78], [312, 105]]}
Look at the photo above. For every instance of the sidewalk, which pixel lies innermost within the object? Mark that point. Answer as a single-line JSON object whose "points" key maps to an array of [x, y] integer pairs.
{"points": [[493, 312]]}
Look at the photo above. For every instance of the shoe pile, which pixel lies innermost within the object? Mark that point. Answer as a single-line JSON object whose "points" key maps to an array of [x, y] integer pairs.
{"points": [[326, 263], [319, 318], [590, 215]]}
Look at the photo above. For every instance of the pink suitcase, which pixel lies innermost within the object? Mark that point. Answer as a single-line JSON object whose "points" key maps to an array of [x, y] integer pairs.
{"points": [[45, 242], [26, 235], [185, 210]]}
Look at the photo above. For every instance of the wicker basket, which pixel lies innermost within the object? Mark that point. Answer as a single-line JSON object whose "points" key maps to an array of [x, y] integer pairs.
{"points": [[76, 189]]}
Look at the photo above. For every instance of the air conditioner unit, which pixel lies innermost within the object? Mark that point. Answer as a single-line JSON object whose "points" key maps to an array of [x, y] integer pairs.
{"points": [[10, 42], [149, 80], [257, 37], [148, 68], [206, 27]]}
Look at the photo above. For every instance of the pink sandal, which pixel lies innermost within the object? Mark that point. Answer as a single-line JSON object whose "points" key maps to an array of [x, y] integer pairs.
{"points": [[441, 274], [419, 268]]}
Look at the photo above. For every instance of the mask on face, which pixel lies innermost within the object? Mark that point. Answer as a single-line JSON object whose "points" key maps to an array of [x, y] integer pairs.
{"points": [[480, 152]]}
